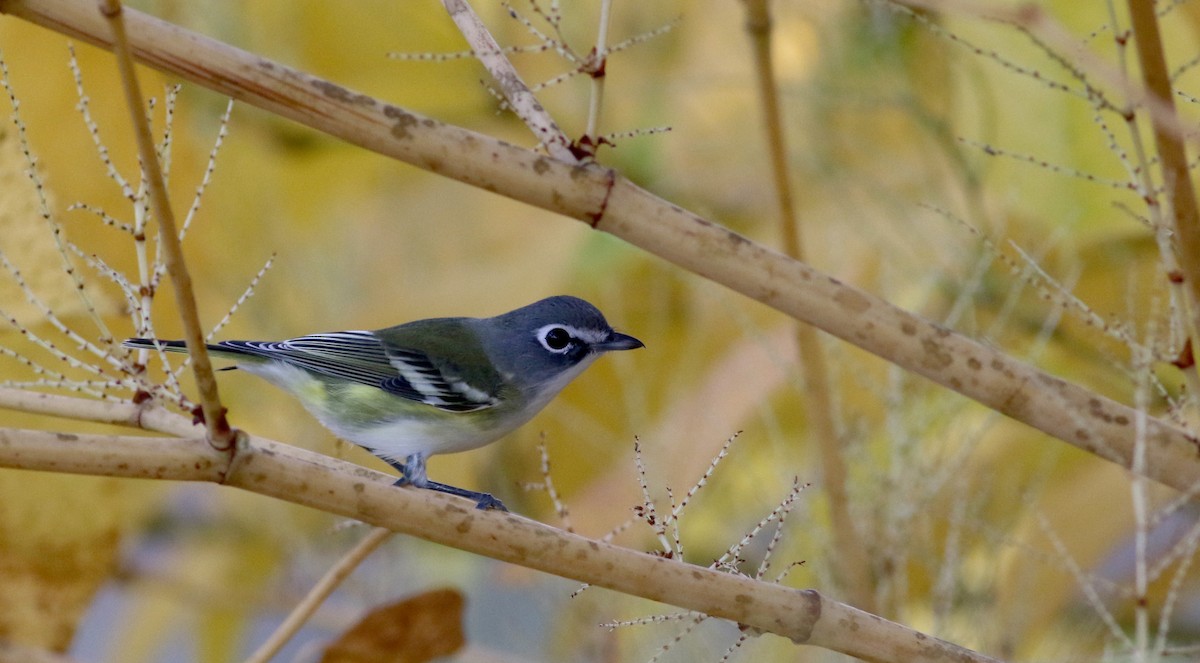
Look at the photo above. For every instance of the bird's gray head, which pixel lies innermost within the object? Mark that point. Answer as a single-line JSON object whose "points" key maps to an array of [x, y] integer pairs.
{"points": [[552, 340]]}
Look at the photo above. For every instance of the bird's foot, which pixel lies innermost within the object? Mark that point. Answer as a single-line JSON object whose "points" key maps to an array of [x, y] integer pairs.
{"points": [[483, 501], [412, 473]]}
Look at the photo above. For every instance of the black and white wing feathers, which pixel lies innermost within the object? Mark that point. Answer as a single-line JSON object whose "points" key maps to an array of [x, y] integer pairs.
{"points": [[361, 356]]}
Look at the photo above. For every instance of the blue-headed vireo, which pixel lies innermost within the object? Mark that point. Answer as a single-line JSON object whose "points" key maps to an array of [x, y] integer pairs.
{"points": [[430, 386]]}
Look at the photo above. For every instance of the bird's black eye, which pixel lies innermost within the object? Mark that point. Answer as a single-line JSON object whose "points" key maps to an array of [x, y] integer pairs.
{"points": [[557, 338]]}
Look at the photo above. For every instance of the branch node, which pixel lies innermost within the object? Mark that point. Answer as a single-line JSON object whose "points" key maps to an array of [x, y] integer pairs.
{"points": [[109, 8], [610, 181]]}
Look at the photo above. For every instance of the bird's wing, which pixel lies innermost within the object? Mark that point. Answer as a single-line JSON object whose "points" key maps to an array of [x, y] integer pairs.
{"points": [[360, 356], [440, 384], [353, 355], [421, 352]]}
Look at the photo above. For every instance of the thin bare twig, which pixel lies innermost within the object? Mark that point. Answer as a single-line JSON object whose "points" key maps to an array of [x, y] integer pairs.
{"points": [[220, 435], [547, 485], [597, 70], [516, 92], [317, 595]]}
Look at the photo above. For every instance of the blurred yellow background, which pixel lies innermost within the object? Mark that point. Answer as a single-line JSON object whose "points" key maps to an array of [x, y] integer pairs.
{"points": [[973, 523]]}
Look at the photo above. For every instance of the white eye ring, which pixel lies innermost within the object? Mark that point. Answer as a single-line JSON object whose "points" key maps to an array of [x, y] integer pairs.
{"points": [[558, 338], [551, 335]]}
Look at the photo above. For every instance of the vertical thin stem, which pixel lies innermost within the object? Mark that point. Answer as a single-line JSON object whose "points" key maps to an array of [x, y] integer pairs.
{"points": [[317, 595], [1177, 182], [597, 71], [851, 565], [1139, 499], [220, 435]]}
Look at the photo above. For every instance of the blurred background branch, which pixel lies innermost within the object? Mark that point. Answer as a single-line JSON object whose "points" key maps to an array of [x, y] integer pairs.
{"points": [[854, 567]]}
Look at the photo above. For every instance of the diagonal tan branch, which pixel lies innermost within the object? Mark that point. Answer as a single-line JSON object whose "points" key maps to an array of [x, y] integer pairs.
{"points": [[613, 204], [317, 595], [219, 432], [334, 486], [518, 95]]}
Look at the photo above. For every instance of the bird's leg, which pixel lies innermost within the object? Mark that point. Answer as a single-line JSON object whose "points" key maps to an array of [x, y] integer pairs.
{"points": [[414, 470], [412, 473]]}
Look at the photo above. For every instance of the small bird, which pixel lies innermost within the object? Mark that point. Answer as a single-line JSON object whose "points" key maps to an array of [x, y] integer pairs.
{"points": [[430, 386]]}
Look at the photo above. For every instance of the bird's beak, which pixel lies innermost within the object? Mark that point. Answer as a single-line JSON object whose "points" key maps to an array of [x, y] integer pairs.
{"points": [[617, 341]]}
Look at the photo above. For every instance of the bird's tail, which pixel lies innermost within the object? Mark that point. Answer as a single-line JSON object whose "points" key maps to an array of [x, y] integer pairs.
{"points": [[180, 347]]}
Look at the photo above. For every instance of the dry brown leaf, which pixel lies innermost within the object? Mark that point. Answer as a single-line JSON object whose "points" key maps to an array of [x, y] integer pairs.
{"points": [[417, 629]]}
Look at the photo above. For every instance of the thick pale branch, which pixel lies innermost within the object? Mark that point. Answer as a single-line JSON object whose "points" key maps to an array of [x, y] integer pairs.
{"points": [[120, 413], [334, 486], [448, 150], [1067, 411], [613, 204]]}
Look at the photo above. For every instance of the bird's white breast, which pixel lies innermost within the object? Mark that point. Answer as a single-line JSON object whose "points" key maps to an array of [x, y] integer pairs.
{"points": [[398, 427]]}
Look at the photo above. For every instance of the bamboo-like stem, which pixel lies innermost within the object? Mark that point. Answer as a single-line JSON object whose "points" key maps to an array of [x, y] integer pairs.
{"points": [[147, 417], [613, 204], [219, 432], [317, 595], [1176, 176], [852, 565], [334, 486]]}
